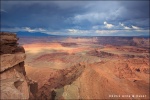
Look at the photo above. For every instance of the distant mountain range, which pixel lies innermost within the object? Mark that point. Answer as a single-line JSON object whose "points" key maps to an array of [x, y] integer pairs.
{"points": [[32, 34], [38, 34]]}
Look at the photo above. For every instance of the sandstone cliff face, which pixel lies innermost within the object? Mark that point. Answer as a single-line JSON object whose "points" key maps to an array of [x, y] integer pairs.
{"points": [[14, 84], [58, 79]]}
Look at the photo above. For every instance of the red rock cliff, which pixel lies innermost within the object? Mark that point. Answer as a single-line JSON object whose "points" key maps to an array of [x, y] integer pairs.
{"points": [[14, 84]]}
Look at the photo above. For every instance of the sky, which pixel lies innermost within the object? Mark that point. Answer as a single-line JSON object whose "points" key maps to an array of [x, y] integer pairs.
{"points": [[85, 18]]}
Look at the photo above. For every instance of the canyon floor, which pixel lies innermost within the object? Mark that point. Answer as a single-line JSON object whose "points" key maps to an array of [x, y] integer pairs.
{"points": [[86, 68]]}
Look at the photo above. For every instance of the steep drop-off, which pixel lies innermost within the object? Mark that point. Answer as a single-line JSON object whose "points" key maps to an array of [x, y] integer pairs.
{"points": [[14, 84]]}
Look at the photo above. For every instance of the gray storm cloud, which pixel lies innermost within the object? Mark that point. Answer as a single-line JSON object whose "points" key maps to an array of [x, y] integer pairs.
{"points": [[78, 15]]}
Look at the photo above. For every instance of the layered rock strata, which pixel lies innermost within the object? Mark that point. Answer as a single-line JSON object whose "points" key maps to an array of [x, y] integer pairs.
{"points": [[14, 84], [58, 79]]}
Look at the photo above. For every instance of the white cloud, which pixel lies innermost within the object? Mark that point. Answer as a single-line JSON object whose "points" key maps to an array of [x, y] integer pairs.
{"points": [[16, 29], [121, 24], [136, 28], [125, 27], [78, 32], [108, 25], [105, 32], [131, 28], [34, 30], [28, 29], [72, 30], [89, 32]]}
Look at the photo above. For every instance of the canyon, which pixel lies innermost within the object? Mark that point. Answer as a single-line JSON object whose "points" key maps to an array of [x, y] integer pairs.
{"points": [[74, 67]]}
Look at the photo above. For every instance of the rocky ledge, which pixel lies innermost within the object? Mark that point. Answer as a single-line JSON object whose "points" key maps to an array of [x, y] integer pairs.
{"points": [[14, 84]]}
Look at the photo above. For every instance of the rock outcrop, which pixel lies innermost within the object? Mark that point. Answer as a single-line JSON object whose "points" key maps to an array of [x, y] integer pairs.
{"points": [[14, 84], [58, 79], [101, 54]]}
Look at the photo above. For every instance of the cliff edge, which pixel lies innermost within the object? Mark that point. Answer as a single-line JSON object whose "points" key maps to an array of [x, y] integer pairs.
{"points": [[14, 84]]}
